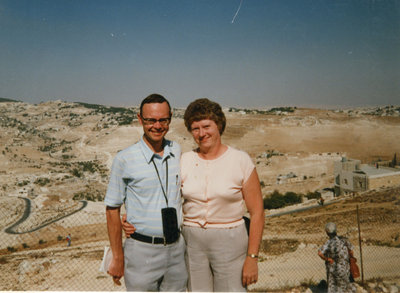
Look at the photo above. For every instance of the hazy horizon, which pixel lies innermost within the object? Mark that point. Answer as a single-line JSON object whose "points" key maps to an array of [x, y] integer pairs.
{"points": [[319, 54], [265, 107]]}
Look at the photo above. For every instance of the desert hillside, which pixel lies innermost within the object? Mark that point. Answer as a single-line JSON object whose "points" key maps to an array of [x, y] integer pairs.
{"points": [[56, 156], [55, 150]]}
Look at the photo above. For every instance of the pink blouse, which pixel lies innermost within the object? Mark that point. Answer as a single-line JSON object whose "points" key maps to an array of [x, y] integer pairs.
{"points": [[212, 189]]}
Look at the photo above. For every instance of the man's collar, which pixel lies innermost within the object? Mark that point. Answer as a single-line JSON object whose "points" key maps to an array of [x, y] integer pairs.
{"points": [[149, 154]]}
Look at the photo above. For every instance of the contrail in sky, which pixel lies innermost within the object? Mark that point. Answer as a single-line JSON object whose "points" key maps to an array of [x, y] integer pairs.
{"points": [[240, 5]]}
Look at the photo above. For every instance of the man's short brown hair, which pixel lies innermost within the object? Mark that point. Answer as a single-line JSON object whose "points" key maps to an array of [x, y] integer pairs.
{"points": [[201, 109], [154, 98]]}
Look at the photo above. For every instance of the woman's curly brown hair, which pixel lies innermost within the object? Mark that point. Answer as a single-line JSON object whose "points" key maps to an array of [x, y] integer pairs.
{"points": [[201, 109]]}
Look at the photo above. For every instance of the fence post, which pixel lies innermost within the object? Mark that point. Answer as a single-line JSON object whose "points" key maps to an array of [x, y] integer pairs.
{"points": [[359, 243]]}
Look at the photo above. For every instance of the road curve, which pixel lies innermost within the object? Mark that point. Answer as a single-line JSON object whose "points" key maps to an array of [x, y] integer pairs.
{"points": [[27, 212]]}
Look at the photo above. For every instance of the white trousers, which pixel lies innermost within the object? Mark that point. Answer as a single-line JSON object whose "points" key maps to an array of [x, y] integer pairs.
{"points": [[155, 267], [215, 258]]}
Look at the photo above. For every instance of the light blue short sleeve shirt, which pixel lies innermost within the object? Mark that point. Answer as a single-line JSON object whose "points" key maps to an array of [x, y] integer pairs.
{"points": [[134, 182]]}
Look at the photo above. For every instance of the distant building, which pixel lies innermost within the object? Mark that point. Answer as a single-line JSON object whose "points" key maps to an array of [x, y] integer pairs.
{"points": [[351, 176], [288, 178]]}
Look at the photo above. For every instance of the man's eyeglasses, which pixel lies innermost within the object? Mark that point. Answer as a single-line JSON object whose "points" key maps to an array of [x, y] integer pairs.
{"points": [[152, 121]]}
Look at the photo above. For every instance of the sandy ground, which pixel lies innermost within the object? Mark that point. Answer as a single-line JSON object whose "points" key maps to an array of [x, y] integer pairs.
{"points": [[59, 268], [305, 266]]}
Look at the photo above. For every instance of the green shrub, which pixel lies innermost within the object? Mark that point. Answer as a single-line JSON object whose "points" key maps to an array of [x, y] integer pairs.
{"points": [[77, 173], [277, 200], [312, 195], [47, 148], [11, 249], [42, 181], [95, 196], [23, 183], [67, 157], [66, 149], [88, 166], [282, 109], [292, 198]]}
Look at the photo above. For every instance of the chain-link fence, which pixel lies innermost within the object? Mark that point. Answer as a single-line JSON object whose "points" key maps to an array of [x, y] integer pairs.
{"points": [[40, 258], [291, 242]]}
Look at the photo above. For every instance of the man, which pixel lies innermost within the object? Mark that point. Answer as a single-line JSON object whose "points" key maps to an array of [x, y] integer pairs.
{"points": [[146, 178]]}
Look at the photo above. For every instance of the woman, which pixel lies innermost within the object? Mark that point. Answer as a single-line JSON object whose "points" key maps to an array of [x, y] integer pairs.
{"points": [[217, 181], [336, 252]]}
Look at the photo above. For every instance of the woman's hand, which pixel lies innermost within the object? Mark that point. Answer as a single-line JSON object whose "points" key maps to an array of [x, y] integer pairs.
{"points": [[128, 228], [250, 271]]}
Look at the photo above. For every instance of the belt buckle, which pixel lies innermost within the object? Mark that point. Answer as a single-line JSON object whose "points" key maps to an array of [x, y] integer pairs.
{"points": [[152, 239], [165, 241]]}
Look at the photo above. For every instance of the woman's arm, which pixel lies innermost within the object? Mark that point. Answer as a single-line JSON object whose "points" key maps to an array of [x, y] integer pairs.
{"points": [[322, 256], [253, 199]]}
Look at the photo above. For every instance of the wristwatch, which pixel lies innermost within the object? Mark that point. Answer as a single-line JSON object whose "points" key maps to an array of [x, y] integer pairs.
{"points": [[252, 255]]}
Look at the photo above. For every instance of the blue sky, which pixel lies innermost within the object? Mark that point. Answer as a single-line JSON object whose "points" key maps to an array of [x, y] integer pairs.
{"points": [[275, 53]]}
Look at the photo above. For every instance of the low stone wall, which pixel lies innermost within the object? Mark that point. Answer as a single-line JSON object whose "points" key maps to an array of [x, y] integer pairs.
{"points": [[387, 180]]}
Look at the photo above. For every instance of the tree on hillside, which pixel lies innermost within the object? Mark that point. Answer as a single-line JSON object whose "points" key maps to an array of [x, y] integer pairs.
{"points": [[277, 200], [394, 161]]}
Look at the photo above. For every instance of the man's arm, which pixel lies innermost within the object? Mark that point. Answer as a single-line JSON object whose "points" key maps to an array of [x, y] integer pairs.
{"points": [[116, 269]]}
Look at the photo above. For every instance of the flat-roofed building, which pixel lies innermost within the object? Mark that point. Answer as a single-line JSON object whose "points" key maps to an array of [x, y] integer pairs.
{"points": [[351, 176]]}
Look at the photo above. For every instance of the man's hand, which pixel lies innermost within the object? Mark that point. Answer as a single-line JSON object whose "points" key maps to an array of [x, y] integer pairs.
{"points": [[128, 228], [116, 270], [250, 271]]}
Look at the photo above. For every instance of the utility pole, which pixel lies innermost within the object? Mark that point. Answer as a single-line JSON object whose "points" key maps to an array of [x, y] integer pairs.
{"points": [[359, 243]]}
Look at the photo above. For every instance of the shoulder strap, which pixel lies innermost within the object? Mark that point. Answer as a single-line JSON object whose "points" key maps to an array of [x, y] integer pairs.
{"points": [[345, 242]]}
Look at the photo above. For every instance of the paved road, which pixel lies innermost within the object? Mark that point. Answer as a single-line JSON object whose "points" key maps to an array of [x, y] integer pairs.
{"points": [[27, 212], [316, 206]]}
